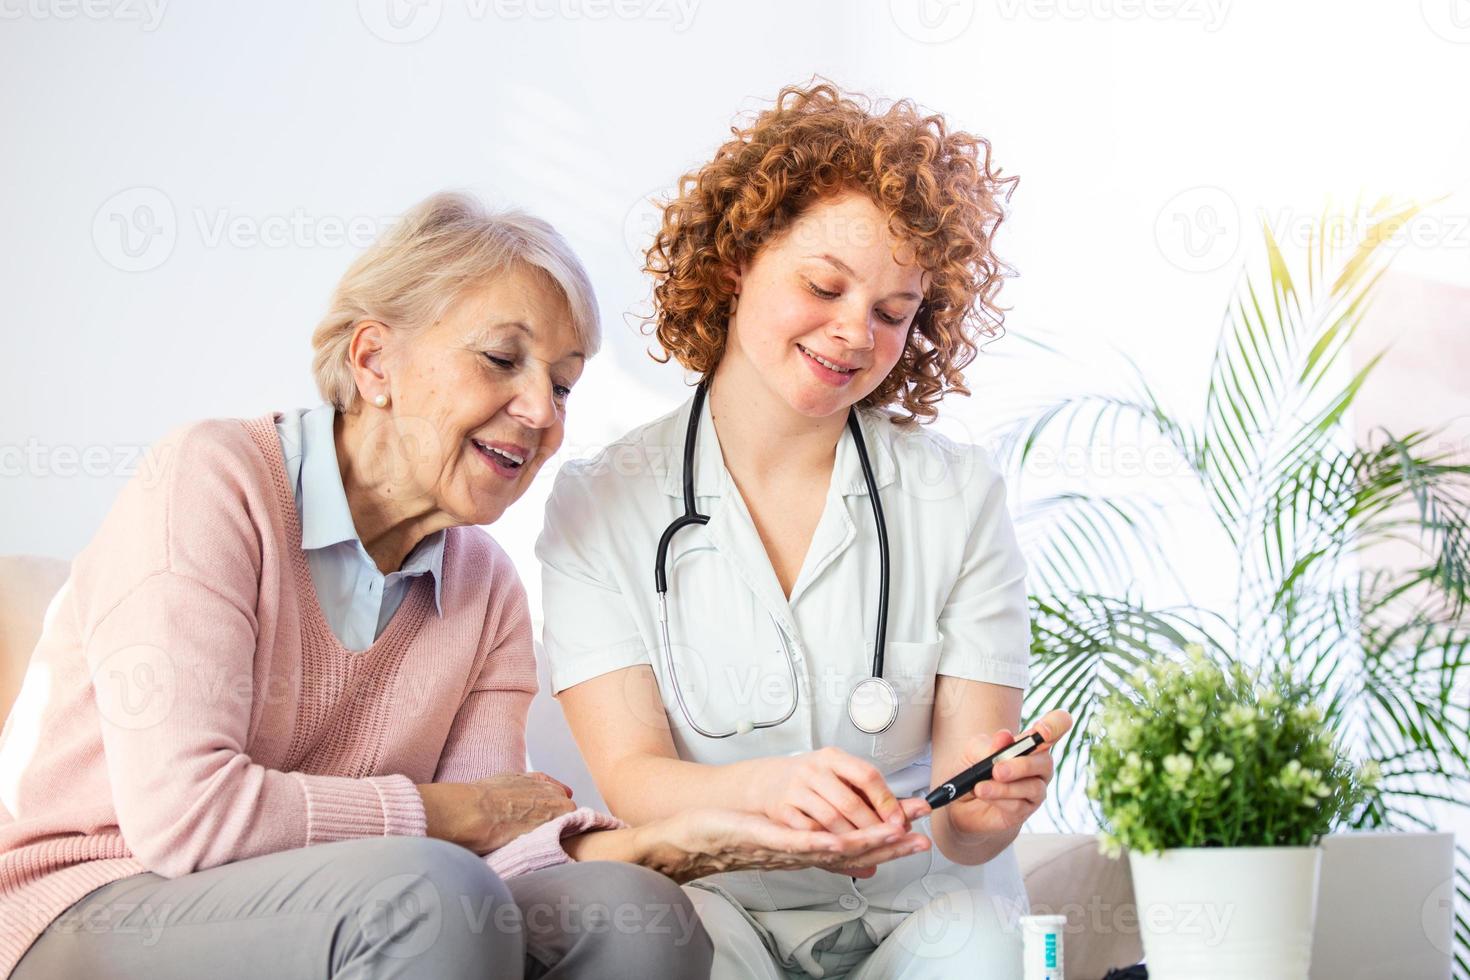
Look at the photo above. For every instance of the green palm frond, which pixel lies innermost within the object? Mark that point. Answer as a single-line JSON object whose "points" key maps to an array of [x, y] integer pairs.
{"points": [[1088, 541], [1084, 646], [1266, 408], [1385, 641]]}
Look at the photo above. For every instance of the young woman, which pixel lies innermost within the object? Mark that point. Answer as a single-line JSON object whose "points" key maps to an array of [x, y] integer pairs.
{"points": [[804, 650]]}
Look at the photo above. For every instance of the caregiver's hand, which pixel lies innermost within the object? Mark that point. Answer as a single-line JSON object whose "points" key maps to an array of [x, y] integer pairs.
{"points": [[828, 789], [696, 843], [491, 812], [1016, 788]]}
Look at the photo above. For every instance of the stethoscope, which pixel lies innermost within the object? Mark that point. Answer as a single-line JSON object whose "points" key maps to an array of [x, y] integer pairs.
{"points": [[873, 704]]}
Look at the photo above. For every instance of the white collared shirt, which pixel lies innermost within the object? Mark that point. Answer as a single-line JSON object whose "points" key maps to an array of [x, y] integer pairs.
{"points": [[957, 602], [357, 599], [957, 606]]}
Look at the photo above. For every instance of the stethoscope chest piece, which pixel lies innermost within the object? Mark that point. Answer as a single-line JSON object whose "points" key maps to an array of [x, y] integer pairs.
{"points": [[873, 706]]}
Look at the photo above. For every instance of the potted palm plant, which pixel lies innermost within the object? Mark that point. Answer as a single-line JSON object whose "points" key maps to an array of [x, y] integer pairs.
{"points": [[1221, 788], [1270, 459]]}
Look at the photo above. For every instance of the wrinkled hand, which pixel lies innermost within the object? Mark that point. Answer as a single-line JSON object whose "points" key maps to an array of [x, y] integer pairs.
{"points": [[1017, 787], [828, 789], [489, 813], [703, 842]]}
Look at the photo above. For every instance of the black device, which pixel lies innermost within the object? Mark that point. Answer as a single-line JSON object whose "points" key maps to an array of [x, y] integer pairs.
{"points": [[980, 771]]}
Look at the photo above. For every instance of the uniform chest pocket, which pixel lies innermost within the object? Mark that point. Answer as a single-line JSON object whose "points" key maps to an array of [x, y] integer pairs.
{"points": [[911, 668]]}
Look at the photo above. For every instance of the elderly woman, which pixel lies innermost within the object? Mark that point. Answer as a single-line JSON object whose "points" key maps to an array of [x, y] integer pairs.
{"points": [[275, 723]]}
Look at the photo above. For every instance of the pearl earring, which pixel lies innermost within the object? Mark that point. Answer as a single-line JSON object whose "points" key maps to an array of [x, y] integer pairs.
{"points": [[380, 400]]}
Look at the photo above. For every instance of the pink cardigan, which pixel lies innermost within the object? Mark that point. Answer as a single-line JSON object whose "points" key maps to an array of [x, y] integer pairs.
{"points": [[188, 705]]}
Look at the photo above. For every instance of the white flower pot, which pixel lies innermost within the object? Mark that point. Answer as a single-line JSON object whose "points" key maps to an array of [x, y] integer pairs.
{"points": [[1227, 913]]}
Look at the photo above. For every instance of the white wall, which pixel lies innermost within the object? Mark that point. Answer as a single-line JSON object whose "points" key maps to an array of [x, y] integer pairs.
{"points": [[245, 139]]}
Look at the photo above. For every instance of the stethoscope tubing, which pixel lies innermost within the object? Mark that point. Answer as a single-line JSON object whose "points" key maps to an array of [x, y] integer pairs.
{"points": [[691, 516]]}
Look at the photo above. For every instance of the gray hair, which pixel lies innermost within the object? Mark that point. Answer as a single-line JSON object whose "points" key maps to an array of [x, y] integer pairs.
{"points": [[416, 270]]}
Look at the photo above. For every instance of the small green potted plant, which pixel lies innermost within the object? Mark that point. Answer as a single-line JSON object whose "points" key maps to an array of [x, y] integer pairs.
{"points": [[1220, 784]]}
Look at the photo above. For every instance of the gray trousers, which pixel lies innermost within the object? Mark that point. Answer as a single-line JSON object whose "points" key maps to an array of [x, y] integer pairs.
{"points": [[378, 907]]}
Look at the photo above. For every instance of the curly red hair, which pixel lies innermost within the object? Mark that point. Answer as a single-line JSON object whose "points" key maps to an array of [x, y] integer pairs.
{"points": [[937, 188]]}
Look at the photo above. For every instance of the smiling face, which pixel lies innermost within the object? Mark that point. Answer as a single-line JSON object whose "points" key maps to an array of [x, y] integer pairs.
{"points": [[824, 310], [478, 398]]}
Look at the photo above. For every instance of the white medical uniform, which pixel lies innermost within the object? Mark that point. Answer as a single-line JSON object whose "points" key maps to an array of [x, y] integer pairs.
{"points": [[957, 606]]}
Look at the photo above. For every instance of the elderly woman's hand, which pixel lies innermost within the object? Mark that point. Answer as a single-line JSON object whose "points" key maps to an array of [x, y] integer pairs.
{"points": [[696, 843], [491, 812]]}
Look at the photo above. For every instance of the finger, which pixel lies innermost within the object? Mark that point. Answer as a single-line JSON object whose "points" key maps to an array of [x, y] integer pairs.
{"points": [[794, 818], [559, 806], [906, 845], [847, 802], [543, 777], [858, 842], [867, 780], [982, 745], [866, 872], [1031, 790], [1037, 764], [803, 843], [1053, 725], [915, 808], [823, 813]]}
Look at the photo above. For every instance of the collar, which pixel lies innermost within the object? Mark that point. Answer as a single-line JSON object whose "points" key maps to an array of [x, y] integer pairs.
{"points": [[711, 478], [326, 519]]}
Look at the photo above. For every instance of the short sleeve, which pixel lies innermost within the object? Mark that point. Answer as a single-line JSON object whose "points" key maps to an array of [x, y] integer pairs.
{"points": [[588, 624], [986, 621]]}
